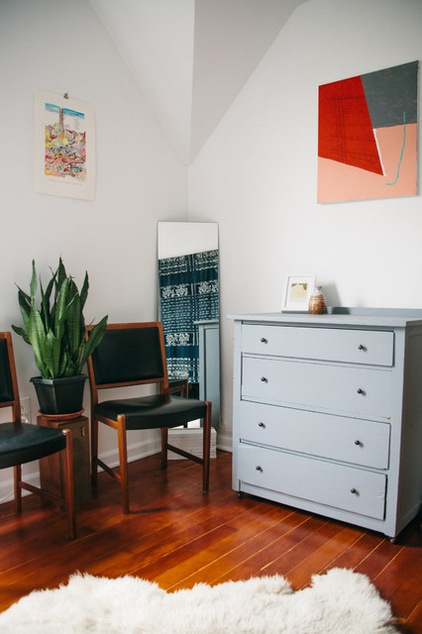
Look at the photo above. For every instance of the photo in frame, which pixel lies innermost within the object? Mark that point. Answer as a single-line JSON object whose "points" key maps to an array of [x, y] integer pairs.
{"points": [[64, 146], [298, 290]]}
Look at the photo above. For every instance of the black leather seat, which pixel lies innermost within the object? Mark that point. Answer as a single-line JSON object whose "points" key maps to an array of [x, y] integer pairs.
{"points": [[134, 354], [22, 442]]}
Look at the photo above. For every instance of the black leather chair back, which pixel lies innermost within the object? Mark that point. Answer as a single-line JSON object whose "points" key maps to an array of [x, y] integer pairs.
{"points": [[131, 355], [6, 385]]}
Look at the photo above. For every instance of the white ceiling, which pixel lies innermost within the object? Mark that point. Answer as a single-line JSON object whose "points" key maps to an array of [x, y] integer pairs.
{"points": [[190, 58]]}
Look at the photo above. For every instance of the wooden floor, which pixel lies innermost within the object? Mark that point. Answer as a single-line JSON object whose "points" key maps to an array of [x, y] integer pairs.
{"points": [[177, 536]]}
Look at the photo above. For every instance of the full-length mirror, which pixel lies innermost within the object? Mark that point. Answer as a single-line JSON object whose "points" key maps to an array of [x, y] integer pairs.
{"points": [[188, 274]]}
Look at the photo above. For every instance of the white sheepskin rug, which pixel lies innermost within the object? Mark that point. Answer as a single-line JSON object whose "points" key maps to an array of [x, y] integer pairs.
{"points": [[339, 601]]}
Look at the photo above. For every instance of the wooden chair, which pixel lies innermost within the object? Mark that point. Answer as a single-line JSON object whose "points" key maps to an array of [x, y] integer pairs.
{"points": [[22, 442], [133, 354]]}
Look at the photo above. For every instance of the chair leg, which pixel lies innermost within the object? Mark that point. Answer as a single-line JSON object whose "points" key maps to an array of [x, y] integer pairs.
{"points": [[69, 492], [164, 440], [94, 450], [69, 484], [206, 447], [17, 472], [124, 482]]}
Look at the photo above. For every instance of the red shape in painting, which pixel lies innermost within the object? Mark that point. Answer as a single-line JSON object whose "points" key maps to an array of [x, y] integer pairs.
{"points": [[345, 131]]}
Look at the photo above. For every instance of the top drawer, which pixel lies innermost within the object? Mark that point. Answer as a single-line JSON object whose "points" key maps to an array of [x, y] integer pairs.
{"points": [[369, 347]]}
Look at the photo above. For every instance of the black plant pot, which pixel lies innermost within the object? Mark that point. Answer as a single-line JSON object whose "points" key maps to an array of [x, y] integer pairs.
{"points": [[60, 396]]}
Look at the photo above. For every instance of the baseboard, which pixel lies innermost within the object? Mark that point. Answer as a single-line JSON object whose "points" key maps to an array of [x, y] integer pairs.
{"points": [[190, 440], [224, 442], [135, 451], [7, 482]]}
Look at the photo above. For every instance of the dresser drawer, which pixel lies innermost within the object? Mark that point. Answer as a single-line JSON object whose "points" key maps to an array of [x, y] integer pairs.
{"points": [[339, 486], [350, 389], [368, 347], [359, 442]]}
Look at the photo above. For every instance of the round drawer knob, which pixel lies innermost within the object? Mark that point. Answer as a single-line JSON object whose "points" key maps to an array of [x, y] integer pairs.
{"points": [[263, 340], [261, 425], [361, 347], [264, 379], [354, 491], [258, 468], [360, 391], [358, 443]]}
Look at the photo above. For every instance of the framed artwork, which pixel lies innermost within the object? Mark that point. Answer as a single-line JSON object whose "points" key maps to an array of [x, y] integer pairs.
{"points": [[298, 290], [367, 136], [64, 146]]}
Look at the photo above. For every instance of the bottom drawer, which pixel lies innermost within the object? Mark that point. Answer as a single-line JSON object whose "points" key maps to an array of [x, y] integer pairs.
{"points": [[338, 486]]}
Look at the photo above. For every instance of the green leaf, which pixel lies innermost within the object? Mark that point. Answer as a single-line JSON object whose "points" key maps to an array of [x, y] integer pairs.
{"points": [[61, 273], [84, 291], [36, 335], [24, 302], [47, 315], [52, 354], [22, 333], [95, 337], [33, 283], [75, 330]]}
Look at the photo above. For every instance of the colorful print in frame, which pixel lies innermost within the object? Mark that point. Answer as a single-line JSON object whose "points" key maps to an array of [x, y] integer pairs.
{"points": [[64, 146], [367, 136]]}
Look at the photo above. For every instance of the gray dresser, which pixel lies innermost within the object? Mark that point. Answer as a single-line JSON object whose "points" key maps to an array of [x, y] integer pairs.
{"points": [[328, 413]]}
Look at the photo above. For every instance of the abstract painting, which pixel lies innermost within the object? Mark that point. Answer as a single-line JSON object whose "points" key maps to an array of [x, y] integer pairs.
{"points": [[367, 136], [65, 146]]}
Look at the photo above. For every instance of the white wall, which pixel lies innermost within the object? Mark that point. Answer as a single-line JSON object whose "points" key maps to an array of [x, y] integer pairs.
{"points": [[257, 175], [61, 46]]}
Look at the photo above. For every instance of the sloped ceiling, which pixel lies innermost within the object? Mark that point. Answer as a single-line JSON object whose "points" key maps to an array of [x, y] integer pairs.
{"points": [[190, 58]]}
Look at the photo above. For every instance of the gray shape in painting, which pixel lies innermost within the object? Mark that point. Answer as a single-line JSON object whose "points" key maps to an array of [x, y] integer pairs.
{"points": [[391, 95]]}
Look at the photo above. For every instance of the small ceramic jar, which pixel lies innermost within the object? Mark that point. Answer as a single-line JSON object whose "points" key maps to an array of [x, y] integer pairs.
{"points": [[317, 304]]}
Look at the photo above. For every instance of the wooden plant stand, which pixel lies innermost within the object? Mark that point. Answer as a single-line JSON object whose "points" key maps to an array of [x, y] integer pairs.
{"points": [[51, 467]]}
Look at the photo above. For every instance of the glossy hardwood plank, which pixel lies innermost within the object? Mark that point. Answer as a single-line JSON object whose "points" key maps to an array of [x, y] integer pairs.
{"points": [[178, 537]]}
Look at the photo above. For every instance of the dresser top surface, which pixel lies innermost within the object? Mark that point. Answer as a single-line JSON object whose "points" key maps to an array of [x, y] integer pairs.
{"points": [[340, 316]]}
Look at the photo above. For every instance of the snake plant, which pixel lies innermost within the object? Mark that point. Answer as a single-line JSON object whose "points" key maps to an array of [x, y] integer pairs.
{"points": [[54, 324]]}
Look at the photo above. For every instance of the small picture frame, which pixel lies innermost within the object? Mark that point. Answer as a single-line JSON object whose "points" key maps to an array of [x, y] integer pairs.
{"points": [[298, 290]]}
